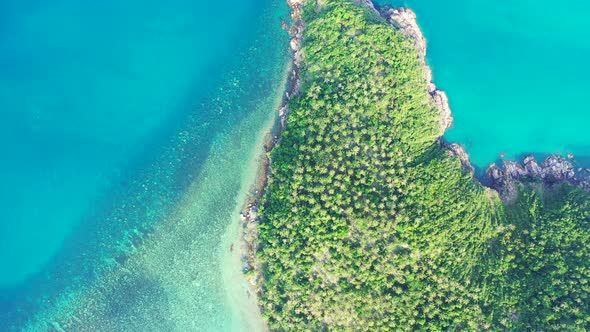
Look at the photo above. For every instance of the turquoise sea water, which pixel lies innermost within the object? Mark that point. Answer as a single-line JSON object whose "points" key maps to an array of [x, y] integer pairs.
{"points": [[126, 128], [516, 73]]}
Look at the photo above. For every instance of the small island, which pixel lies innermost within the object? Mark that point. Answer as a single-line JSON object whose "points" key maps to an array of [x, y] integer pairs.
{"points": [[370, 222]]}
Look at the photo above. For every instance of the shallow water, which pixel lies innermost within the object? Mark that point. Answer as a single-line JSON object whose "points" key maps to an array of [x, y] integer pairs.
{"points": [[126, 128], [516, 74]]}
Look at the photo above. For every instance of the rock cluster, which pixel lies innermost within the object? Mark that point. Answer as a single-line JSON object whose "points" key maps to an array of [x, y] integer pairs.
{"points": [[296, 30], [553, 170]]}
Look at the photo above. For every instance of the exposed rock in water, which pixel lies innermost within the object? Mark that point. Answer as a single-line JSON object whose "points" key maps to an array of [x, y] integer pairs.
{"points": [[554, 169]]}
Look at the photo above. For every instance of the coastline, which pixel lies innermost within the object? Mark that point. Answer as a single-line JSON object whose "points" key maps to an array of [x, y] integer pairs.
{"points": [[555, 169], [248, 236], [239, 246], [238, 290]]}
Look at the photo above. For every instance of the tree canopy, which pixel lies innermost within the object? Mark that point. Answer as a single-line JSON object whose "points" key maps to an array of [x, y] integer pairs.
{"points": [[367, 223]]}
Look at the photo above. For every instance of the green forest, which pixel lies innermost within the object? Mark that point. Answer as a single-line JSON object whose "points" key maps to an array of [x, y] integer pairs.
{"points": [[368, 224]]}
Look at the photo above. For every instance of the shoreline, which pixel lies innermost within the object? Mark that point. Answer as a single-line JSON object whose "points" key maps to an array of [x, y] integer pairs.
{"points": [[248, 235], [238, 240], [555, 169]]}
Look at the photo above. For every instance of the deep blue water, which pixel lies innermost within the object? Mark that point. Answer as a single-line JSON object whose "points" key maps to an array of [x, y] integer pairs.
{"points": [[111, 112]]}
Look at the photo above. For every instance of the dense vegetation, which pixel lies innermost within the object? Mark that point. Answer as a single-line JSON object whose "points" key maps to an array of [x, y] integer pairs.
{"points": [[368, 224]]}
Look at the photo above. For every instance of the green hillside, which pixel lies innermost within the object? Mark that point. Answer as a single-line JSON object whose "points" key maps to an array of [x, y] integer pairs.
{"points": [[368, 224]]}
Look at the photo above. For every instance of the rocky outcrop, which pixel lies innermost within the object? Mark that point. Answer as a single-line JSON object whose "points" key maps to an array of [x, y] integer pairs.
{"points": [[582, 178], [554, 169], [405, 21], [456, 150], [368, 4], [249, 218], [296, 33]]}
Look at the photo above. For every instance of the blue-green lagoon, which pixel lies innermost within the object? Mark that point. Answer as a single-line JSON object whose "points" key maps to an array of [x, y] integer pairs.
{"points": [[128, 134], [516, 73]]}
